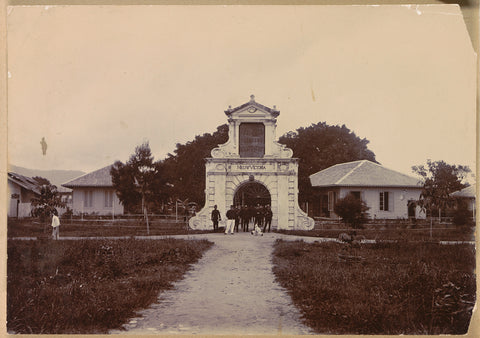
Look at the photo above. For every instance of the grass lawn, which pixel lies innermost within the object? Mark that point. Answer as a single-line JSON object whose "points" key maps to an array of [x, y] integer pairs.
{"points": [[33, 228], [383, 288], [89, 286]]}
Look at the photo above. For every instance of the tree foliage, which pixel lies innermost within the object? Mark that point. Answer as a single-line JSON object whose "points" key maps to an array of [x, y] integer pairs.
{"points": [[352, 210], [320, 146], [41, 180], [44, 205], [140, 182], [440, 179], [186, 167]]}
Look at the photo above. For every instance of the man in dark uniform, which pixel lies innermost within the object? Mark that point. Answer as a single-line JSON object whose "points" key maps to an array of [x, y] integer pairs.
{"points": [[250, 214], [244, 217], [215, 218], [268, 214], [237, 217], [258, 215]]}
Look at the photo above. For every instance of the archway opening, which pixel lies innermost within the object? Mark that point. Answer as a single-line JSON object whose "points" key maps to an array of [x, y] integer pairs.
{"points": [[251, 194]]}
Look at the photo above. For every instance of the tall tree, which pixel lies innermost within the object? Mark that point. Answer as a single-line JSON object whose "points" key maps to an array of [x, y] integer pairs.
{"points": [[320, 146], [139, 181], [186, 167], [440, 179], [44, 205]]}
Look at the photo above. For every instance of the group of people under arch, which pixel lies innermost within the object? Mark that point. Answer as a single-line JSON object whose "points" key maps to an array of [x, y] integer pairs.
{"points": [[245, 216]]}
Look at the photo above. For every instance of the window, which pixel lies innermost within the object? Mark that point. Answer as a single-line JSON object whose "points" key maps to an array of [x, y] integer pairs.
{"points": [[88, 199], [108, 198], [251, 140], [384, 200], [331, 200]]}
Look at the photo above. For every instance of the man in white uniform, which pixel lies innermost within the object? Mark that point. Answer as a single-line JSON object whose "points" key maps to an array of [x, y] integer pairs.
{"points": [[55, 225], [231, 214]]}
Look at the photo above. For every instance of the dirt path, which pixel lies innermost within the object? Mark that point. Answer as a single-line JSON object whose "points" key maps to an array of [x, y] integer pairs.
{"points": [[231, 290]]}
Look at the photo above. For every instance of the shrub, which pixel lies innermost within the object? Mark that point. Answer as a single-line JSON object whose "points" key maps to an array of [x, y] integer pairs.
{"points": [[352, 210], [461, 215]]}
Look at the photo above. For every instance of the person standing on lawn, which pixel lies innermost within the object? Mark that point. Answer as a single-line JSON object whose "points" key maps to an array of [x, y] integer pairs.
{"points": [[231, 214], [215, 218], [55, 225]]}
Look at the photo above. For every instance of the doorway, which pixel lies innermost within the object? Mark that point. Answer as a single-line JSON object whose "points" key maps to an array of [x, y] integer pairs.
{"points": [[251, 194]]}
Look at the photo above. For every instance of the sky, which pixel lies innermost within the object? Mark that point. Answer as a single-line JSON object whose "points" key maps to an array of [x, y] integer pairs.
{"points": [[96, 81]]}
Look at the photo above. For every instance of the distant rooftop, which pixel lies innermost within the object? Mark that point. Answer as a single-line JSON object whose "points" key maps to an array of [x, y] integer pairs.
{"points": [[97, 178], [362, 173], [468, 192]]}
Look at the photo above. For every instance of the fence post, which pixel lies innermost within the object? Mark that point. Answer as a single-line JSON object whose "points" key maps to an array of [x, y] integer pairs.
{"points": [[431, 225]]}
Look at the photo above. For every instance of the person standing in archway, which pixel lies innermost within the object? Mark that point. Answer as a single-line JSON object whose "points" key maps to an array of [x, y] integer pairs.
{"points": [[244, 218], [258, 215], [215, 218], [268, 214], [251, 216], [237, 217], [231, 214]]}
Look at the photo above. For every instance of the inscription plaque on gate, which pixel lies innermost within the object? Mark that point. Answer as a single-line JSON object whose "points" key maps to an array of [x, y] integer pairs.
{"points": [[251, 140]]}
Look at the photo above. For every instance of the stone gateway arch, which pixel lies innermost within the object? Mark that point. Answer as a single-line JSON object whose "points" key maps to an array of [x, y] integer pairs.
{"points": [[250, 168]]}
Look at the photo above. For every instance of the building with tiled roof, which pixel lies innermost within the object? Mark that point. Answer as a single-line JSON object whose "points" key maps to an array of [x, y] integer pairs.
{"points": [[21, 190], [97, 178], [388, 193], [468, 194], [93, 193]]}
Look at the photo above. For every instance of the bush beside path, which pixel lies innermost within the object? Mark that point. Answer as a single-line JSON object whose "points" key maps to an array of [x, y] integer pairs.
{"points": [[89, 286]]}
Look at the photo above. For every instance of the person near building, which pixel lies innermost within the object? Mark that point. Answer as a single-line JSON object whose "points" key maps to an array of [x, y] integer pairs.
{"points": [[215, 218], [55, 225], [251, 215], [244, 218], [231, 214], [268, 214], [258, 215], [237, 217]]}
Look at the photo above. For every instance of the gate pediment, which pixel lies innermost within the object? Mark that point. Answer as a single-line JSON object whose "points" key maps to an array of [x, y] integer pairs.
{"points": [[252, 110], [251, 133]]}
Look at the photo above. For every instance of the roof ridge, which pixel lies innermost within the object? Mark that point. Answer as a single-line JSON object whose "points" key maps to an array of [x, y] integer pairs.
{"points": [[395, 171], [351, 171], [91, 172], [274, 111]]}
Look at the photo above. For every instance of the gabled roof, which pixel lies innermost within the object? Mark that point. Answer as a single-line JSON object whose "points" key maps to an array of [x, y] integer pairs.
{"points": [[468, 192], [255, 104], [362, 173], [25, 182], [97, 178]]}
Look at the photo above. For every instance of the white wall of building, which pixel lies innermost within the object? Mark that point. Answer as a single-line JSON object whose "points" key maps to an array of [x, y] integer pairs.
{"points": [[97, 205], [24, 205], [397, 197]]}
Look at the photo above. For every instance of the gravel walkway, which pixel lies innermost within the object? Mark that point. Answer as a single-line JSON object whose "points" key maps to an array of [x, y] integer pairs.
{"points": [[231, 290]]}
